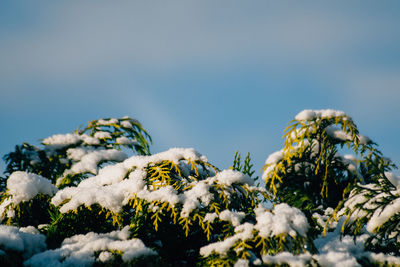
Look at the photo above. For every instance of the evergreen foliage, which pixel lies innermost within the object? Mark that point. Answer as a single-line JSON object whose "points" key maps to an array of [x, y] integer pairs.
{"points": [[79, 199]]}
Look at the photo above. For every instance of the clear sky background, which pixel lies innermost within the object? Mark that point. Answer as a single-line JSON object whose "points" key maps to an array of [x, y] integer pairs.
{"points": [[218, 76]]}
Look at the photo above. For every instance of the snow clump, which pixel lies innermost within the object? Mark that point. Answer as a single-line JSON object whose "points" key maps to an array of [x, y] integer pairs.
{"points": [[282, 220], [80, 250], [27, 240], [309, 114]]}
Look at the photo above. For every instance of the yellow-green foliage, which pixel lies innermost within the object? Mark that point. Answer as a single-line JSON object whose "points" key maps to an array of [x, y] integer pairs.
{"points": [[26, 213], [117, 128], [310, 165], [169, 173], [371, 200]]}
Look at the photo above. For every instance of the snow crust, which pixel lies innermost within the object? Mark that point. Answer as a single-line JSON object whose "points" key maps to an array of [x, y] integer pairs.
{"points": [[79, 250]]}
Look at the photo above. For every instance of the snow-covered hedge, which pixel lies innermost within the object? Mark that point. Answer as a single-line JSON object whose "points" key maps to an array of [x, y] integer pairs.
{"points": [[81, 200]]}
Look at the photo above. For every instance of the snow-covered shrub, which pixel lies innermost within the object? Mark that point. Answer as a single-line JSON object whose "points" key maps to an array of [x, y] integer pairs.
{"points": [[114, 248], [26, 200], [81, 200], [69, 158], [355, 193], [65, 159], [175, 200], [171, 203], [269, 232], [309, 172], [374, 209]]}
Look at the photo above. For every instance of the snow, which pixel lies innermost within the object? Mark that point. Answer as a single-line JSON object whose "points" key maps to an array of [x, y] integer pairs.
{"points": [[337, 133], [112, 191], [232, 216], [125, 141], [335, 251], [282, 220], [107, 122], [323, 219], [242, 232], [364, 140], [23, 186], [192, 197], [77, 153], [89, 140], [382, 216], [241, 263], [288, 258], [173, 154], [275, 157], [4, 210], [228, 177], [350, 161], [80, 250], [89, 159], [309, 114], [271, 162], [27, 240], [306, 114], [383, 258], [126, 124], [116, 184], [58, 141], [210, 217], [164, 194], [105, 256], [394, 179], [102, 135]]}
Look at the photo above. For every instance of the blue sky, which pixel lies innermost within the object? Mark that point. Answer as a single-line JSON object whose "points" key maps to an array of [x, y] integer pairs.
{"points": [[218, 76]]}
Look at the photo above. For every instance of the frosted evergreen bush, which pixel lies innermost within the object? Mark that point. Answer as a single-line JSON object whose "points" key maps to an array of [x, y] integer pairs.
{"points": [[98, 197]]}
